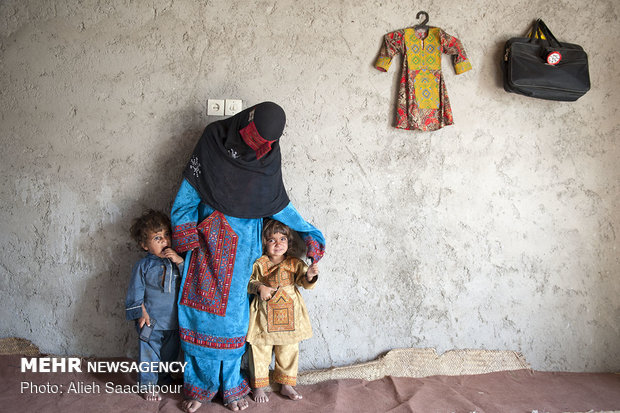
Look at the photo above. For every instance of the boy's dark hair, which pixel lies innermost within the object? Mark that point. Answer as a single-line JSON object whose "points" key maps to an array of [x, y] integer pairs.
{"points": [[150, 221], [272, 226]]}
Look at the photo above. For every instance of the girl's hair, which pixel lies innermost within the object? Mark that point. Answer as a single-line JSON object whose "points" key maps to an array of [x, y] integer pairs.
{"points": [[150, 221], [271, 227]]}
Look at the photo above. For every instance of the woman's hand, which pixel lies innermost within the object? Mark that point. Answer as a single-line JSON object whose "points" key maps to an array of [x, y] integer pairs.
{"points": [[313, 271]]}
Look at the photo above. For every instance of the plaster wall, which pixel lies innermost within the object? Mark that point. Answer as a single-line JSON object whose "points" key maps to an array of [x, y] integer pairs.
{"points": [[499, 232]]}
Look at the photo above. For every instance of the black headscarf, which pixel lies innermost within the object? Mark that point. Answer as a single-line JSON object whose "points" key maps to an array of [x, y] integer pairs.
{"points": [[241, 179]]}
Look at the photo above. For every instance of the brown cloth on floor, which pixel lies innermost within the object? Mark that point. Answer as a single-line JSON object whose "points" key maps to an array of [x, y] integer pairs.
{"points": [[506, 391]]}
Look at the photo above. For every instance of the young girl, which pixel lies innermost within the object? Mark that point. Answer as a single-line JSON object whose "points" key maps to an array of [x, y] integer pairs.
{"points": [[278, 316]]}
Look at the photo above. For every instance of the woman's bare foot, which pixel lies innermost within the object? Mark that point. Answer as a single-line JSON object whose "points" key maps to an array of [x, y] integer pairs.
{"points": [[259, 395], [240, 404], [288, 391], [152, 397], [190, 406]]}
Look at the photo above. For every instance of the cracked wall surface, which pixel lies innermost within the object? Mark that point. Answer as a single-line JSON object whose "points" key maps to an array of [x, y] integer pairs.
{"points": [[499, 232]]}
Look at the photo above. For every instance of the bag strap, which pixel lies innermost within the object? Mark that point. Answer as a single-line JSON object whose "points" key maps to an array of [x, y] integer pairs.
{"points": [[536, 33], [550, 37]]}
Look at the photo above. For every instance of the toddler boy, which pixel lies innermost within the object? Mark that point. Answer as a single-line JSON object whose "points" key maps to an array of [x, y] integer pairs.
{"points": [[152, 295]]}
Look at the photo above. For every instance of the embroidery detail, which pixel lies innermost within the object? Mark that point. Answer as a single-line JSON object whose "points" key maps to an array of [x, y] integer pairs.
{"points": [[198, 393], [383, 63], [253, 139], [185, 237], [233, 153], [278, 275], [194, 165], [426, 90], [265, 265], [315, 250], [280, 312], [462, 67], [205, 340], [210, 270], [260, 382], [423, 54], [284, 379], [236, 393]]}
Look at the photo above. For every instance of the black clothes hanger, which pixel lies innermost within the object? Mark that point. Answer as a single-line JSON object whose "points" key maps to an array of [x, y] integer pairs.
{"points": [[423, 24]]}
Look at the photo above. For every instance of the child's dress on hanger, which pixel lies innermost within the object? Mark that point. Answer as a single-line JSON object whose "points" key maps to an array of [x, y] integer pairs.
{"points": [[422, 98]]}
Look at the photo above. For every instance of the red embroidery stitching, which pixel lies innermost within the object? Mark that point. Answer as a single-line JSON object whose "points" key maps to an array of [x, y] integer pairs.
{"points": [[185, 237], [315, 250], [211, 267], [236, 393], [253, 139], [205, 340], [198, 393]]}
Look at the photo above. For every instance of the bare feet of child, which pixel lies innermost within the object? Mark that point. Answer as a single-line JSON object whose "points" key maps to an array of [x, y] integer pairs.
{"points": [[288, 391], [240, 404], [190, 406], [259, 395], [151, 397]]}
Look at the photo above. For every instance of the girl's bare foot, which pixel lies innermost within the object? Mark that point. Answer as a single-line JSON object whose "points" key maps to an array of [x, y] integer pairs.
{"points": [[190, 406], [152, 397], [259, 395], [288, 391], [240, 404]]}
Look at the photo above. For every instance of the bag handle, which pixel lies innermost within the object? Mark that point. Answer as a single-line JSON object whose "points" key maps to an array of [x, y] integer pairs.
{"points": [[535, 32], [540, 28], [543, 27]]}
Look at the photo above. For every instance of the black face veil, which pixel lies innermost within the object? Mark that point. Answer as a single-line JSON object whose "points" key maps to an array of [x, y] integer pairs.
{"points": [[236, 165]]}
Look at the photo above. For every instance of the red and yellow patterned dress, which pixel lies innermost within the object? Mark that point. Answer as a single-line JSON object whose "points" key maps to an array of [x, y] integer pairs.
{"points": [[422, 98]]}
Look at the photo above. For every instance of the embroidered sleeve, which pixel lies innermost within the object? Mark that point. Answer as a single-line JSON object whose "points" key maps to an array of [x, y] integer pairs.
{"points": [[315, 249], [184, 217], [254, 280], [135, 293], [392, 44], [313, 238], [450, 45]]}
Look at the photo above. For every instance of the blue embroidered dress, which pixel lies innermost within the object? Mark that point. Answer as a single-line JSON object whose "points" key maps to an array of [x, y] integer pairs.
{"points": [[214, 303], [232, 181]]}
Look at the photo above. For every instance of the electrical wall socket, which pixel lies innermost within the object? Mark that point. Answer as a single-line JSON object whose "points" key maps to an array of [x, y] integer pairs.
{"points": [[215, 107], [233, 106]]}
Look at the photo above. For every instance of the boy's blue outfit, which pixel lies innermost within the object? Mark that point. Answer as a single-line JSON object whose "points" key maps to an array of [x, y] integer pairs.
{"points": [[155, 282]]}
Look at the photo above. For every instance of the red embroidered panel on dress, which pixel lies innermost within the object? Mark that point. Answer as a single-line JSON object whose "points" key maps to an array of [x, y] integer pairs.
{"points": [[211, 267], [184, 237]]}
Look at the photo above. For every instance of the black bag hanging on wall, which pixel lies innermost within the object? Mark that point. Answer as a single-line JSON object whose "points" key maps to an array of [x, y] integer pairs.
{"points": [[541, 67]]}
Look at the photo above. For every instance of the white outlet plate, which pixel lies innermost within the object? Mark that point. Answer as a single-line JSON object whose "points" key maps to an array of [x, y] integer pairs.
{"points": [[215, 107], [233, 106]]}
